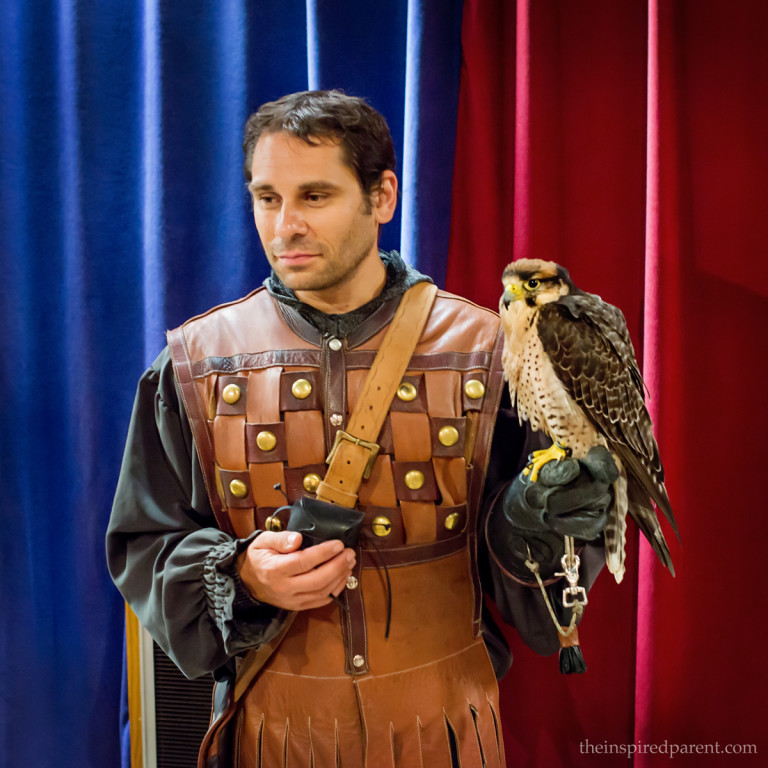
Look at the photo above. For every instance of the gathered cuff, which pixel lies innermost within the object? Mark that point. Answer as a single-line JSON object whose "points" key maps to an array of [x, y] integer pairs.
{"points": [[242, 619]]}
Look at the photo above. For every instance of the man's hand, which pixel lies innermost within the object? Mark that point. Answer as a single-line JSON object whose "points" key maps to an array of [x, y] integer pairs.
{"points": [[275, 571], [570, 498]]}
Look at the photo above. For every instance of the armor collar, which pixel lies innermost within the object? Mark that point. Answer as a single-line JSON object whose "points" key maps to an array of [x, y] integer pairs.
{"points": [[356, 326]]}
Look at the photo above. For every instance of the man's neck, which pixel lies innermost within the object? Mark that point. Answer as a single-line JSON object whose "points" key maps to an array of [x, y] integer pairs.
{"points": [[399, 277]]}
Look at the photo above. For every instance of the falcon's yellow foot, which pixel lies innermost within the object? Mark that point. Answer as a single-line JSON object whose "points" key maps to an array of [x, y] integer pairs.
{"points": [[538, 459]]}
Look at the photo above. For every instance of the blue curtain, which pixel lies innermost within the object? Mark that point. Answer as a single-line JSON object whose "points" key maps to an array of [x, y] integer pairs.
{"points": [[123, 212]]}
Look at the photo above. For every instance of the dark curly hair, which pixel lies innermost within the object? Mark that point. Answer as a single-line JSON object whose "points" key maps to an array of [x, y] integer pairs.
{"points": [[316, 115]]}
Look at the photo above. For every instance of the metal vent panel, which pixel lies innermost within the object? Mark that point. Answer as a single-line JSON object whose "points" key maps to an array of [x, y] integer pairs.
{"points": [[182, 713]]}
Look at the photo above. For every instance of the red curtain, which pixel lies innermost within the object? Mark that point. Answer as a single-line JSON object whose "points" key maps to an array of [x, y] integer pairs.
{"points": [[629, 142]]}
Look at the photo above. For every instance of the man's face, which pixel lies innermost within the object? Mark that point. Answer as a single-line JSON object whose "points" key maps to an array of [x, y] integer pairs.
{"points": [[315, 224]]}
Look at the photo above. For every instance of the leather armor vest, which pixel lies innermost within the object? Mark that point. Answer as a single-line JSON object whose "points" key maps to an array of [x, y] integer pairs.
{"points": [[265, 394]]}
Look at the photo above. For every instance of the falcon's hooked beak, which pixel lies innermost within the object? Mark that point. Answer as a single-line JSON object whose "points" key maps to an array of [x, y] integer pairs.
{"points": [[512, 292]]}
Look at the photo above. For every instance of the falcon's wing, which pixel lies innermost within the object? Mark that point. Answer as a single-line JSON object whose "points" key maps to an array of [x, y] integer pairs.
{"points": [[589, 346]]}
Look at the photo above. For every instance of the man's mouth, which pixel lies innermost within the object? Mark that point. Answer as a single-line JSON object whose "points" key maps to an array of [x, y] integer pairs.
{"points": [[295, 258]]}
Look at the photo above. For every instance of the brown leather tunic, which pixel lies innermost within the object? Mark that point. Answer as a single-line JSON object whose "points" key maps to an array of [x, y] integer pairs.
{"points": [[267, 397]]}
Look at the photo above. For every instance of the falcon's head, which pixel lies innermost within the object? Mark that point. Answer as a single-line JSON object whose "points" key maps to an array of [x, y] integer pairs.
{"points": [[534, 281]]}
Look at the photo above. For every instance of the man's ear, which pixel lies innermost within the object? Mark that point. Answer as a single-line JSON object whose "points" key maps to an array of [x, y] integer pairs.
{"points": [[384, 198]]}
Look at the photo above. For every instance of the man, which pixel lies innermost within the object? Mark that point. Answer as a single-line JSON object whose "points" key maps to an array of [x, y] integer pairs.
{"points": [[382, 652]]}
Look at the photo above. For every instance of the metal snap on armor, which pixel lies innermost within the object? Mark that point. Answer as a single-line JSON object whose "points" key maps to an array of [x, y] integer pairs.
{"points": [[335, 344], [381, 526], [273, 523], [301, 389], [448, 436], [311, 481], [406, 392], [337, 419], [266, 440], [358, 660], [414, 479], [474, 389], [351, 582], [231, 393], [238, 488], [452, 521]]}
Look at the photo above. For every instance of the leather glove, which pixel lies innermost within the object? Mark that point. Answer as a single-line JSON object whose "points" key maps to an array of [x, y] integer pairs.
{"points": [[570, 498], [319, 521]]}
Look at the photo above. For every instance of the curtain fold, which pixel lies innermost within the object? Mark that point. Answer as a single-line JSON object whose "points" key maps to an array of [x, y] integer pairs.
{"points": [[150, 162], [550, 164], [663, 297], [699, 673], [433, 60], [627, 142], [123, 211]]}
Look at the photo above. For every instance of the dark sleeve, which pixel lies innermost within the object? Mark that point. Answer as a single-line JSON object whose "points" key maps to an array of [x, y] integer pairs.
{"points": [[520, 605], [171, 563]]}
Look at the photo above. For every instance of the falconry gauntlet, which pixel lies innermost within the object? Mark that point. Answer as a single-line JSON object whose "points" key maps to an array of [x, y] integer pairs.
{"points": [[570, 498]]}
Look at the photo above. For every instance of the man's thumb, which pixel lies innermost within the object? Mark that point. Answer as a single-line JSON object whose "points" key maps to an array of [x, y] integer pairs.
{"points": [[280, 541], [290, 541]]}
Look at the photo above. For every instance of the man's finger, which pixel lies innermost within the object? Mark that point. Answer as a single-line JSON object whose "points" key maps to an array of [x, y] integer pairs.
{"points": [[318, 586], [340, 586], [311, 558], [297, 561], [280, 541], [323, 576]]}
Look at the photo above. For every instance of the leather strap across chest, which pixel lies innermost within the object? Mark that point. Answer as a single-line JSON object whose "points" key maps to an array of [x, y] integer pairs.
{"points": [[353, 453]]}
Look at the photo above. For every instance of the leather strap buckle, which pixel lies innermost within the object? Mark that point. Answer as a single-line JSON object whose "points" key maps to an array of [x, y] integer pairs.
{"points": [[372, 447]]}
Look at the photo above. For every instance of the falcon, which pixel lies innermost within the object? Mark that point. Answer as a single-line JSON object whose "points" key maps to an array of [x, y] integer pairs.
{"points": [[572, 374]]}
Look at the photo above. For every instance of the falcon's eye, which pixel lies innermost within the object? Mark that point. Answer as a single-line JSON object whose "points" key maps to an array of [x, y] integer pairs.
{"points": [[532, 284]]}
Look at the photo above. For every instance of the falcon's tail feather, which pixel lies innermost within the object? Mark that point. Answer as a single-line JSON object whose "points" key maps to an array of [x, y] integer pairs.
{"points": [[651, 481], [616, 530], [642, 512]]}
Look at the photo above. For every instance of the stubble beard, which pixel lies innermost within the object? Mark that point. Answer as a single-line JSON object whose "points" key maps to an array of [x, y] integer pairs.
{"points": [[334, 274]]}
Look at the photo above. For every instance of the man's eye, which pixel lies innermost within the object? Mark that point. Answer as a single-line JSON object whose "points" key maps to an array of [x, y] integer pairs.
{"points": [[316, 197]]}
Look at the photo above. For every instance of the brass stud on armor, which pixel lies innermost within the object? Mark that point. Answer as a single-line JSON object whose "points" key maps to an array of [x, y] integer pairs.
{"points": [[474, 389], [406, 392], [352, 582], [452, 521], [311, 481], [358, 661], [266, 441], [238, 488], [273, 523], [381, 526], [231, 394], [414, 479], [301, 389], [448, 436]]}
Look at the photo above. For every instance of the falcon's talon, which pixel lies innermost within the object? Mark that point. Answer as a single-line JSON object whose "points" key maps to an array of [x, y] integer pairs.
{"points": [[555, 452]]}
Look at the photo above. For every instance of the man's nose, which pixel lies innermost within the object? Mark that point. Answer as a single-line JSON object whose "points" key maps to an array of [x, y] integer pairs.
{"points": [[291, 221]]}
